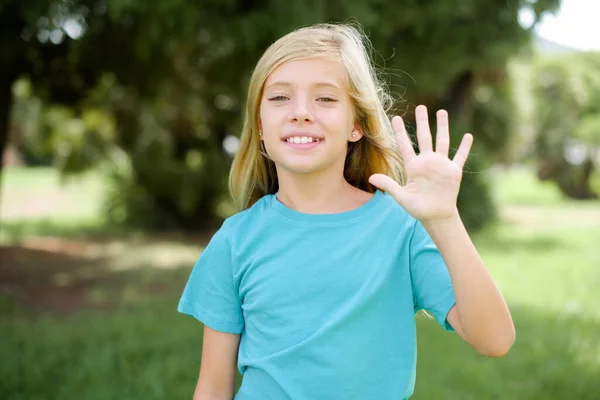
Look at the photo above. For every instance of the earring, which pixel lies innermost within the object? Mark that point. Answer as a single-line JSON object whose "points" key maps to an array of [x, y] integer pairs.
{"points": [[354, 135], [259, 133]]}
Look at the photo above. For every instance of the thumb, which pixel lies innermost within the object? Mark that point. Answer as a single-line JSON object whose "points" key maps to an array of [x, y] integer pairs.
{"points": [[388, 185]]}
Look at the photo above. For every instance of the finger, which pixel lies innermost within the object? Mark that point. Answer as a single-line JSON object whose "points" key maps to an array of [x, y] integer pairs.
{"points": [[442, 137], [388, 185], [404, 144], [463, 151], [423, 132]]}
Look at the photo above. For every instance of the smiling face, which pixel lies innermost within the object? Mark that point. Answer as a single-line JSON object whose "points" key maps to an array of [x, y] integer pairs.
{"points": [[306, 116]]}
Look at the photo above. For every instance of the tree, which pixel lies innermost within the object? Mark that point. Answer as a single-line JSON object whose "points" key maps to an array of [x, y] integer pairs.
{"points": [[172, 77], [567, 109]]}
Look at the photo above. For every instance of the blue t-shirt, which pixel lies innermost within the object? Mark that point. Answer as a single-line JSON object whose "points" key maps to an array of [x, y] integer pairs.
{"points": [[325, 303]]}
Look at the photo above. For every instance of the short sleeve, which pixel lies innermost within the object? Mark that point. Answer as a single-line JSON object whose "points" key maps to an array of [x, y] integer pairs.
{"points": [[431, 283], [210, 295]]}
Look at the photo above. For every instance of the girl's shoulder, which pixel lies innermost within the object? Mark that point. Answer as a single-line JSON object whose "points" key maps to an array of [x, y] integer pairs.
{"points": [[389, 204], [390, 212], [258, 211]]}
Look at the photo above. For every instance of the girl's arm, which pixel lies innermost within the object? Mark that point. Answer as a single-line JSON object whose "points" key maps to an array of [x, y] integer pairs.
{"points": [[481, 316], [430, 193], [218, 366]]}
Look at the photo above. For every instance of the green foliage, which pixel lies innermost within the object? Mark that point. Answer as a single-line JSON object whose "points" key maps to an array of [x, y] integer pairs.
{"points": [[567, 106], [476, 205], [493, 119], [172, 80]]}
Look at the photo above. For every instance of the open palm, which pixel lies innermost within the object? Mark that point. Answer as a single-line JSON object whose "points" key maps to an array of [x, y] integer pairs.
{"points": [[432, 178]]}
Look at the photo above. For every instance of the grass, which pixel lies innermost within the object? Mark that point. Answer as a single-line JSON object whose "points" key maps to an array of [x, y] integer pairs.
{"points": [[123, 339], [39, 201], [137, 352], [547, 268], [31, 194]]}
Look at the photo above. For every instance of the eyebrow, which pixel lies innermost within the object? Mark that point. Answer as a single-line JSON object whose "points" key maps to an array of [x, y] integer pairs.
{"points": [[317, 84]]}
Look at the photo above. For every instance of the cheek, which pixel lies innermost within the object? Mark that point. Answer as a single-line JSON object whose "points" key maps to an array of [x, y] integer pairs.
{"points": [[338, 119], [269, 115]]}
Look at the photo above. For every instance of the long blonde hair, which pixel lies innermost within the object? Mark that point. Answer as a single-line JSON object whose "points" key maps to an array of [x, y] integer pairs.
{"points": [[253, 175]]}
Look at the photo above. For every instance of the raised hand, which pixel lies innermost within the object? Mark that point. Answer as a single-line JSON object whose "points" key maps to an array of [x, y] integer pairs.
{"points": [[432, 179]]}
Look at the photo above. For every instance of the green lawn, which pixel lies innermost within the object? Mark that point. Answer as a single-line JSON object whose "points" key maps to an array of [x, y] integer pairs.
{"points": [[36, 188], [37, 201], [96, 319]]}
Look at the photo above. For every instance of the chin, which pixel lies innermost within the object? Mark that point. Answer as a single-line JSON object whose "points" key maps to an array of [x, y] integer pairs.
{"points": [[300, 167]]}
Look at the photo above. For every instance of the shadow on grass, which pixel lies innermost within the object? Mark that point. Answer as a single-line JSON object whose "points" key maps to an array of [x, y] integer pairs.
{"points": [[509, 237], [16, 231], [61, 276], [554, 357], [538, 243]]}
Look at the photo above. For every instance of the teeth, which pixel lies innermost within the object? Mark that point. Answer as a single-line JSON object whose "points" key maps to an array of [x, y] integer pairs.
{"points": [[302, 139]]}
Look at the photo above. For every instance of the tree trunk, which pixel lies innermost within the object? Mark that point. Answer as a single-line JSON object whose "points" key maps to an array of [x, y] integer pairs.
{"points": [[572, 180], [5, 105], [12, 63]]}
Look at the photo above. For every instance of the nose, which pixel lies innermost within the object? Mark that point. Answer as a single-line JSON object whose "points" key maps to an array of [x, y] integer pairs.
{"points": [[301, 112]]}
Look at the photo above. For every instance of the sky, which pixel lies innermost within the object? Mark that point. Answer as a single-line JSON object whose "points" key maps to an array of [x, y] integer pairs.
{"points": [[576, 24]]}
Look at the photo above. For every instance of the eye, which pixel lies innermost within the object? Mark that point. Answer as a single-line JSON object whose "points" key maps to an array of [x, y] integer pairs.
{"points": [[278, 98], [326, 99]]}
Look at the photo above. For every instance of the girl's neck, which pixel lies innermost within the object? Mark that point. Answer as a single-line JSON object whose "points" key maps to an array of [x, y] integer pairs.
{"points": [[319, 193]]}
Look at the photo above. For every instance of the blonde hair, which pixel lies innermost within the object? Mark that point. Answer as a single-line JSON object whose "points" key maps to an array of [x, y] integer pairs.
{"points": [[253, 175]]}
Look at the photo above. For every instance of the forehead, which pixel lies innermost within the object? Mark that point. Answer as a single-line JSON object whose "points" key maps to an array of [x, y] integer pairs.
{"points": [[312, 71]]}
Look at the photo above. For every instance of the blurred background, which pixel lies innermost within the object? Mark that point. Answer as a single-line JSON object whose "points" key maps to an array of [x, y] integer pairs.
{"points": [[118, 123]]}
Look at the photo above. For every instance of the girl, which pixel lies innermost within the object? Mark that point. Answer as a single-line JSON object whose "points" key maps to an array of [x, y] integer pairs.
{"points": [[344, 233]]}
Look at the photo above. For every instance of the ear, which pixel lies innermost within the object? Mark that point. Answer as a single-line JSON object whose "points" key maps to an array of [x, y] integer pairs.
{"points": [[357, 132]]}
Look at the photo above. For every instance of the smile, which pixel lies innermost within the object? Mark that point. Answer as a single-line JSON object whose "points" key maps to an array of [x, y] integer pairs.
{"points": [[302, 142], [302, 139]]}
